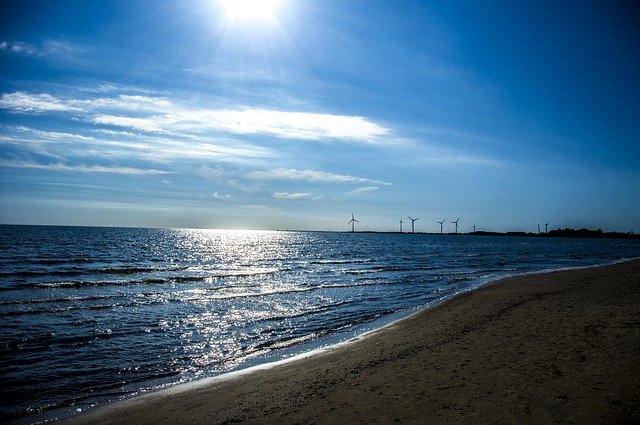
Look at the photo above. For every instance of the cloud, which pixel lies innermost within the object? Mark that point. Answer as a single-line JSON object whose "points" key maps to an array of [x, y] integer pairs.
{"points": [[115, 133], [128, 103], [144, 146], [226, 198], [292, 125], [81, 168], [308, 175], [281, 124], [210, 173], [363, 190], [440, 157], [54, 135], [48, 48], [19, 47], [33, 103], [142, 124], [295, 195], [161, 115]]}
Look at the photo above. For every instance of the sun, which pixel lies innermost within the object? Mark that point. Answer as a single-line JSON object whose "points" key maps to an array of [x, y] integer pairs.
{"points": [[250, 10]]}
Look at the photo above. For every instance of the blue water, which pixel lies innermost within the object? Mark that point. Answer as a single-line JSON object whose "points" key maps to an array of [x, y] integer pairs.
{"points": [[95, 314]]}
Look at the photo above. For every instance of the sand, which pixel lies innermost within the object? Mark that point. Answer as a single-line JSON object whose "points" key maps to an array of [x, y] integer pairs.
{"points": [[561, 347]]}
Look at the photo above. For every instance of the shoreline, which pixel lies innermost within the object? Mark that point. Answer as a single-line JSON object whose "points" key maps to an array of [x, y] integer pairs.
{"points": [[422, 367]]}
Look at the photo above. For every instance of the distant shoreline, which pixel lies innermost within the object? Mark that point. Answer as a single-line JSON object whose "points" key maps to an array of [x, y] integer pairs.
{"points": [[559, 233]]}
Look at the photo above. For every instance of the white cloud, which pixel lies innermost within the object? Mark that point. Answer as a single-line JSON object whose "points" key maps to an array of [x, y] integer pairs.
{"points": [[281, 124], [284, 124], [142, 124], [125, 102], [54, 135], [363, 190], [48, 49], [33, 103], [308, 175], [115, 133], [161, 115], [210, 173], [226, 198], [19, 47], [81, 168], [294, 195], [144, 147]]}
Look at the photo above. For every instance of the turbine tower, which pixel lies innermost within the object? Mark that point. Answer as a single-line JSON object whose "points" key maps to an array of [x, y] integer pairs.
{"points": [[456, 223], [440, 222], [400, 225], [546, 227], [353, 221], [413, 220]]}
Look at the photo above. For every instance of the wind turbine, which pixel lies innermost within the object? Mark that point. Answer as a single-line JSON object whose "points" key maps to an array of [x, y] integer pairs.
{"points": [[546, 227], [413, 220], [474, 227], [353, 221], [441, 224], [456, 223], [400, 225]]}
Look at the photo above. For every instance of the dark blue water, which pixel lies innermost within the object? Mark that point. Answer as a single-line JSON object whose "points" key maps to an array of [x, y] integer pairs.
{"points": [[95, 314]]}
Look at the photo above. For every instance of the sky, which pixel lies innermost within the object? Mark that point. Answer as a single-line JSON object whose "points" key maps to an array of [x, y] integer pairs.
{"points": [[294, 114]]}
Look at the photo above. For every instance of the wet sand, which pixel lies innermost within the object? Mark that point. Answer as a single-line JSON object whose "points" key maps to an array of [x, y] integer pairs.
{"points": [[560, 347]]}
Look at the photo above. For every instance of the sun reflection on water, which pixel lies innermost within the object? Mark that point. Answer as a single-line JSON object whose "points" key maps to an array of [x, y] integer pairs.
{"points": [[240, 295]]}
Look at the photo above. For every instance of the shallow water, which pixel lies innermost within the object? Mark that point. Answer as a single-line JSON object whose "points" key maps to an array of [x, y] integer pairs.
{"points": [[95, 314]]}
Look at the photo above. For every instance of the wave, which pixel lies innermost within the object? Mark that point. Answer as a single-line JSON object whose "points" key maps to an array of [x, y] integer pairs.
{"points": [[383, 269], [284, 342], [59, 299], [336, 261], [47, 342], [155, 280]]}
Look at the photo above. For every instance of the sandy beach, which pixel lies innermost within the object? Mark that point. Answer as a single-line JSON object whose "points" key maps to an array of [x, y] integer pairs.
{"points": [[559, 347]]}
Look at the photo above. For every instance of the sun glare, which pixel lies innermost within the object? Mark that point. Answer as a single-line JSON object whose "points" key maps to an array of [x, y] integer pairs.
{"points": [[250, 9]]}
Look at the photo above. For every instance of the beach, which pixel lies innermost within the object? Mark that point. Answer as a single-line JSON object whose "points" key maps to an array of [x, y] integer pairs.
{"points": [[559, 347]]}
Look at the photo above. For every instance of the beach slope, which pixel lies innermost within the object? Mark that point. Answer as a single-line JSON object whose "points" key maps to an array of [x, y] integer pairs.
{"points": [[555, 347]]}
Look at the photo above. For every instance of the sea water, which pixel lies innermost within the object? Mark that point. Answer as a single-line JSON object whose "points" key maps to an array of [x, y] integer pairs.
{"points": [[90, 315]]}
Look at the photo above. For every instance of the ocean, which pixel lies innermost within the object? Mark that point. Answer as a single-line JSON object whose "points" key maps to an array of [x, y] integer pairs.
{"points": [[91, 315]]}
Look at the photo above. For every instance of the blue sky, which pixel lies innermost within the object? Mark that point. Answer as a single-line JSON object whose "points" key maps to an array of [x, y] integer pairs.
{"points": [[296, 113]]}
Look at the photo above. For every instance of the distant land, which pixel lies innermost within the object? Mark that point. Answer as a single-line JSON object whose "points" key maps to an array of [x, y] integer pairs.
{"points": [[558, 233]]}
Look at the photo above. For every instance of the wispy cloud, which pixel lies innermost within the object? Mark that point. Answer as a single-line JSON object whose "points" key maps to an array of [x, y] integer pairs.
{"points": [[124, 102], [34, 103], [210, 173], [226, 198], [309, 176], [53, 135], [161, 115], [364, 189], [115, 132], [142, 124], [281, 124], [109, 144], [452, 158], [18, 47], [294, 195], [48, 47], [81, 168]]}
